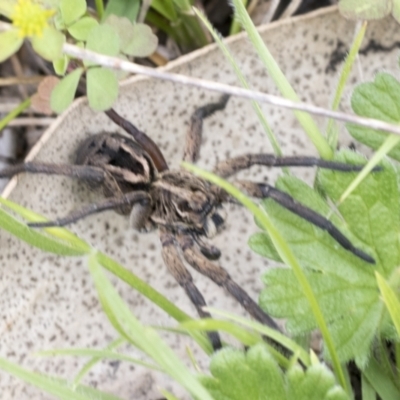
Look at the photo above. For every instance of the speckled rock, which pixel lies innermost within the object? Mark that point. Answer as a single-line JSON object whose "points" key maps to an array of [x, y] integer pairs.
{"points": [[49, 302]]}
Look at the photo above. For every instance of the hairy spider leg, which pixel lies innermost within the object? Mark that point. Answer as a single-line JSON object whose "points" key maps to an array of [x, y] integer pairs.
{"points": [[194, 133], [176, 268], [109, 203], [263, 190], [221, 277], [88, 173]]}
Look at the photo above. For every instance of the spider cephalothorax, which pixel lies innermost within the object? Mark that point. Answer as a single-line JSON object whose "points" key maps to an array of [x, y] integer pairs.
{"points": [[186, 209]]}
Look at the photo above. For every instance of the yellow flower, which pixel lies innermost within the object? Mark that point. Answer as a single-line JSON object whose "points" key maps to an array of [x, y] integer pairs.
{"points": [[30, 18]]}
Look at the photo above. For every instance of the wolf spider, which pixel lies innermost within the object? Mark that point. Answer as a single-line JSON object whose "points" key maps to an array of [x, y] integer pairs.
{"points": [[186, 209]]}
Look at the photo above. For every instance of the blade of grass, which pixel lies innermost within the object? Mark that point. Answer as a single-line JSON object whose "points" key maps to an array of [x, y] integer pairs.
{"points": [[242, 79], [381, 383], [37, 239], [98, 354], [60, 233], [146, 338], [344, 75], [390, 142], [265, 331], [57, 387], [286, 255], [281, 82], [155, 297], [14, 113], [390, 299]]}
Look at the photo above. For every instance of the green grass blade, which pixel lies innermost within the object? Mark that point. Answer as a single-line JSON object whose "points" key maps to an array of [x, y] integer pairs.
{"points": [[97, 354], [145, 338], [281, 82], [344, 76], [57, 387], [390, 299], [286, 255], [60, 233], [380, 381], [390, 142], [266, 331], [216, 36], [14, 113], [36, 238]]}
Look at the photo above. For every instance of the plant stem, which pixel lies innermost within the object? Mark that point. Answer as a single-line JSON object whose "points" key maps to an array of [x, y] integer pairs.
{"points": [[14, 113]]}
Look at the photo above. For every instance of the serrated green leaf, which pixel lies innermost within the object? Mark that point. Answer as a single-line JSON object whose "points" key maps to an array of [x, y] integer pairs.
{"points": [[122, 8], [378, 99], [262, 244], [344, 285], [102, 88], [255, 375], [104, 40], [60, 65], [71, 10], [10, 42], [49, 45], [64, 93], [366, 9], [143, 42], [81, 28]]}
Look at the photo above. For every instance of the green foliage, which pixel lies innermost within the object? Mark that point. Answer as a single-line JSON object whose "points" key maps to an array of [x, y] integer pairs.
{"points": [[378, 99], [10, 42], [64, 92], [368, 9], [122, 8], [344, 285], [255, 375], [102, 88]]}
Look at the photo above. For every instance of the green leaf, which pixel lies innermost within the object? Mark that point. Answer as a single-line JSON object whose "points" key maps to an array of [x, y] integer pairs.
{"points": [[261, 244], [104, 40], [49, 45], [143, 42], [102, 88], [64, 93], [254, 375], [71, 10], [165, 8], [124, 29], [60, 65], [122, 8], [344, 285], [10, 42], [378, 99], [366, 9], [81, 28]]}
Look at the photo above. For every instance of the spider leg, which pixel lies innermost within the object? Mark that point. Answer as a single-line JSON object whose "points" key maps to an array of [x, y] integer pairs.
{"points": [[233, 165], [109, 203], [177, 269], [194, 133], [221, 277], [262, 190], [84, 172]]}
